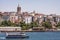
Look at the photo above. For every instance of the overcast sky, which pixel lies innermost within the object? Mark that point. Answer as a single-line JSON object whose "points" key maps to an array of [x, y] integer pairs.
{"points": [[40, 6]]}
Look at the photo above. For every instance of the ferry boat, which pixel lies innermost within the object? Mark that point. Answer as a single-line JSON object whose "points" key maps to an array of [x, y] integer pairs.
{"points": [[16, 35]]}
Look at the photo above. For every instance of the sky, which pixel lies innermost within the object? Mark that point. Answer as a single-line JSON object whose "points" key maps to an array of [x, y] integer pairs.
{"points": [[40, 6]]}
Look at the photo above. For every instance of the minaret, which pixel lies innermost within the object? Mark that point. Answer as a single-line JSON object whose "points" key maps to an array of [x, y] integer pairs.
{"points": [[18, 10]]}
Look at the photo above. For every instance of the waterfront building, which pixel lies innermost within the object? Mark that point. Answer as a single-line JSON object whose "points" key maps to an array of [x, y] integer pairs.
{"points": [[50, 18], [39, 17], [20, 18], [8, 28], [1, 15], [5, 16], [27, 18], [0, 12], [1, 19], [54, 17], [58, 20], [32, 14], [6, 13], [13, 17], [45, 18]]}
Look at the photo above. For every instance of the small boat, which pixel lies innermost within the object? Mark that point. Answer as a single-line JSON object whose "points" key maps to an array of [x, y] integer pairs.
{"points": [[16, 35]]}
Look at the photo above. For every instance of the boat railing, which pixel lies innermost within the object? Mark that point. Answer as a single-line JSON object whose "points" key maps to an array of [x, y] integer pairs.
{"points": [[15, 33]]}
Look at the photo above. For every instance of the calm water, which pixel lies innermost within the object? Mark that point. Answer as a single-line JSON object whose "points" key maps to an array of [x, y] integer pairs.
{"points": [[40, 36]]}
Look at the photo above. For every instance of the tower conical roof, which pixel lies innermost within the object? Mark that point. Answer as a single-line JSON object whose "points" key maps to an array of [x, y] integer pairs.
{"points": [[18, 5]]}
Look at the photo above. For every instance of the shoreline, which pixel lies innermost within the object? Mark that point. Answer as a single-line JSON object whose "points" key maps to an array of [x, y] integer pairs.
{"points": [[30, 31], [18, 29]]}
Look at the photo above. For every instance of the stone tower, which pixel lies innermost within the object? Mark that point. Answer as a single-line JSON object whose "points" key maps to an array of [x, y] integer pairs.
{"points": [[18, 10]]}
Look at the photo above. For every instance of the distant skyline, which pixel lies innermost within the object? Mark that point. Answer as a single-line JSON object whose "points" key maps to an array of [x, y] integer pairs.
{"points": [[40, 6]]}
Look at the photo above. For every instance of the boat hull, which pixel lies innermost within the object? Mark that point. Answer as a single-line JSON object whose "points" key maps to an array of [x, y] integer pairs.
{"points": [[17, 36]]}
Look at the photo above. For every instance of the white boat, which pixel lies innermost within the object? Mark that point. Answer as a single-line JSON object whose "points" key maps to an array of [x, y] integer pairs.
{"points": [[16, 35]]}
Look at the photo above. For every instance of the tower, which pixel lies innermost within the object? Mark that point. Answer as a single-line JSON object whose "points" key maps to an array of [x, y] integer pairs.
{"points": [[18, 10]]}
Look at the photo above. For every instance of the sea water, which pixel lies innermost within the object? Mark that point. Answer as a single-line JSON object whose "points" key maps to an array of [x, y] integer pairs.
{"points": [[39, 36]]}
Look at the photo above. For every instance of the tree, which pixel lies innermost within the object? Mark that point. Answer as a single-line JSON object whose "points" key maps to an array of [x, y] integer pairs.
{"points": [[58, 24], [34, 24], [6, 23], [47, 25], [24, 26], [9, 23]]}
